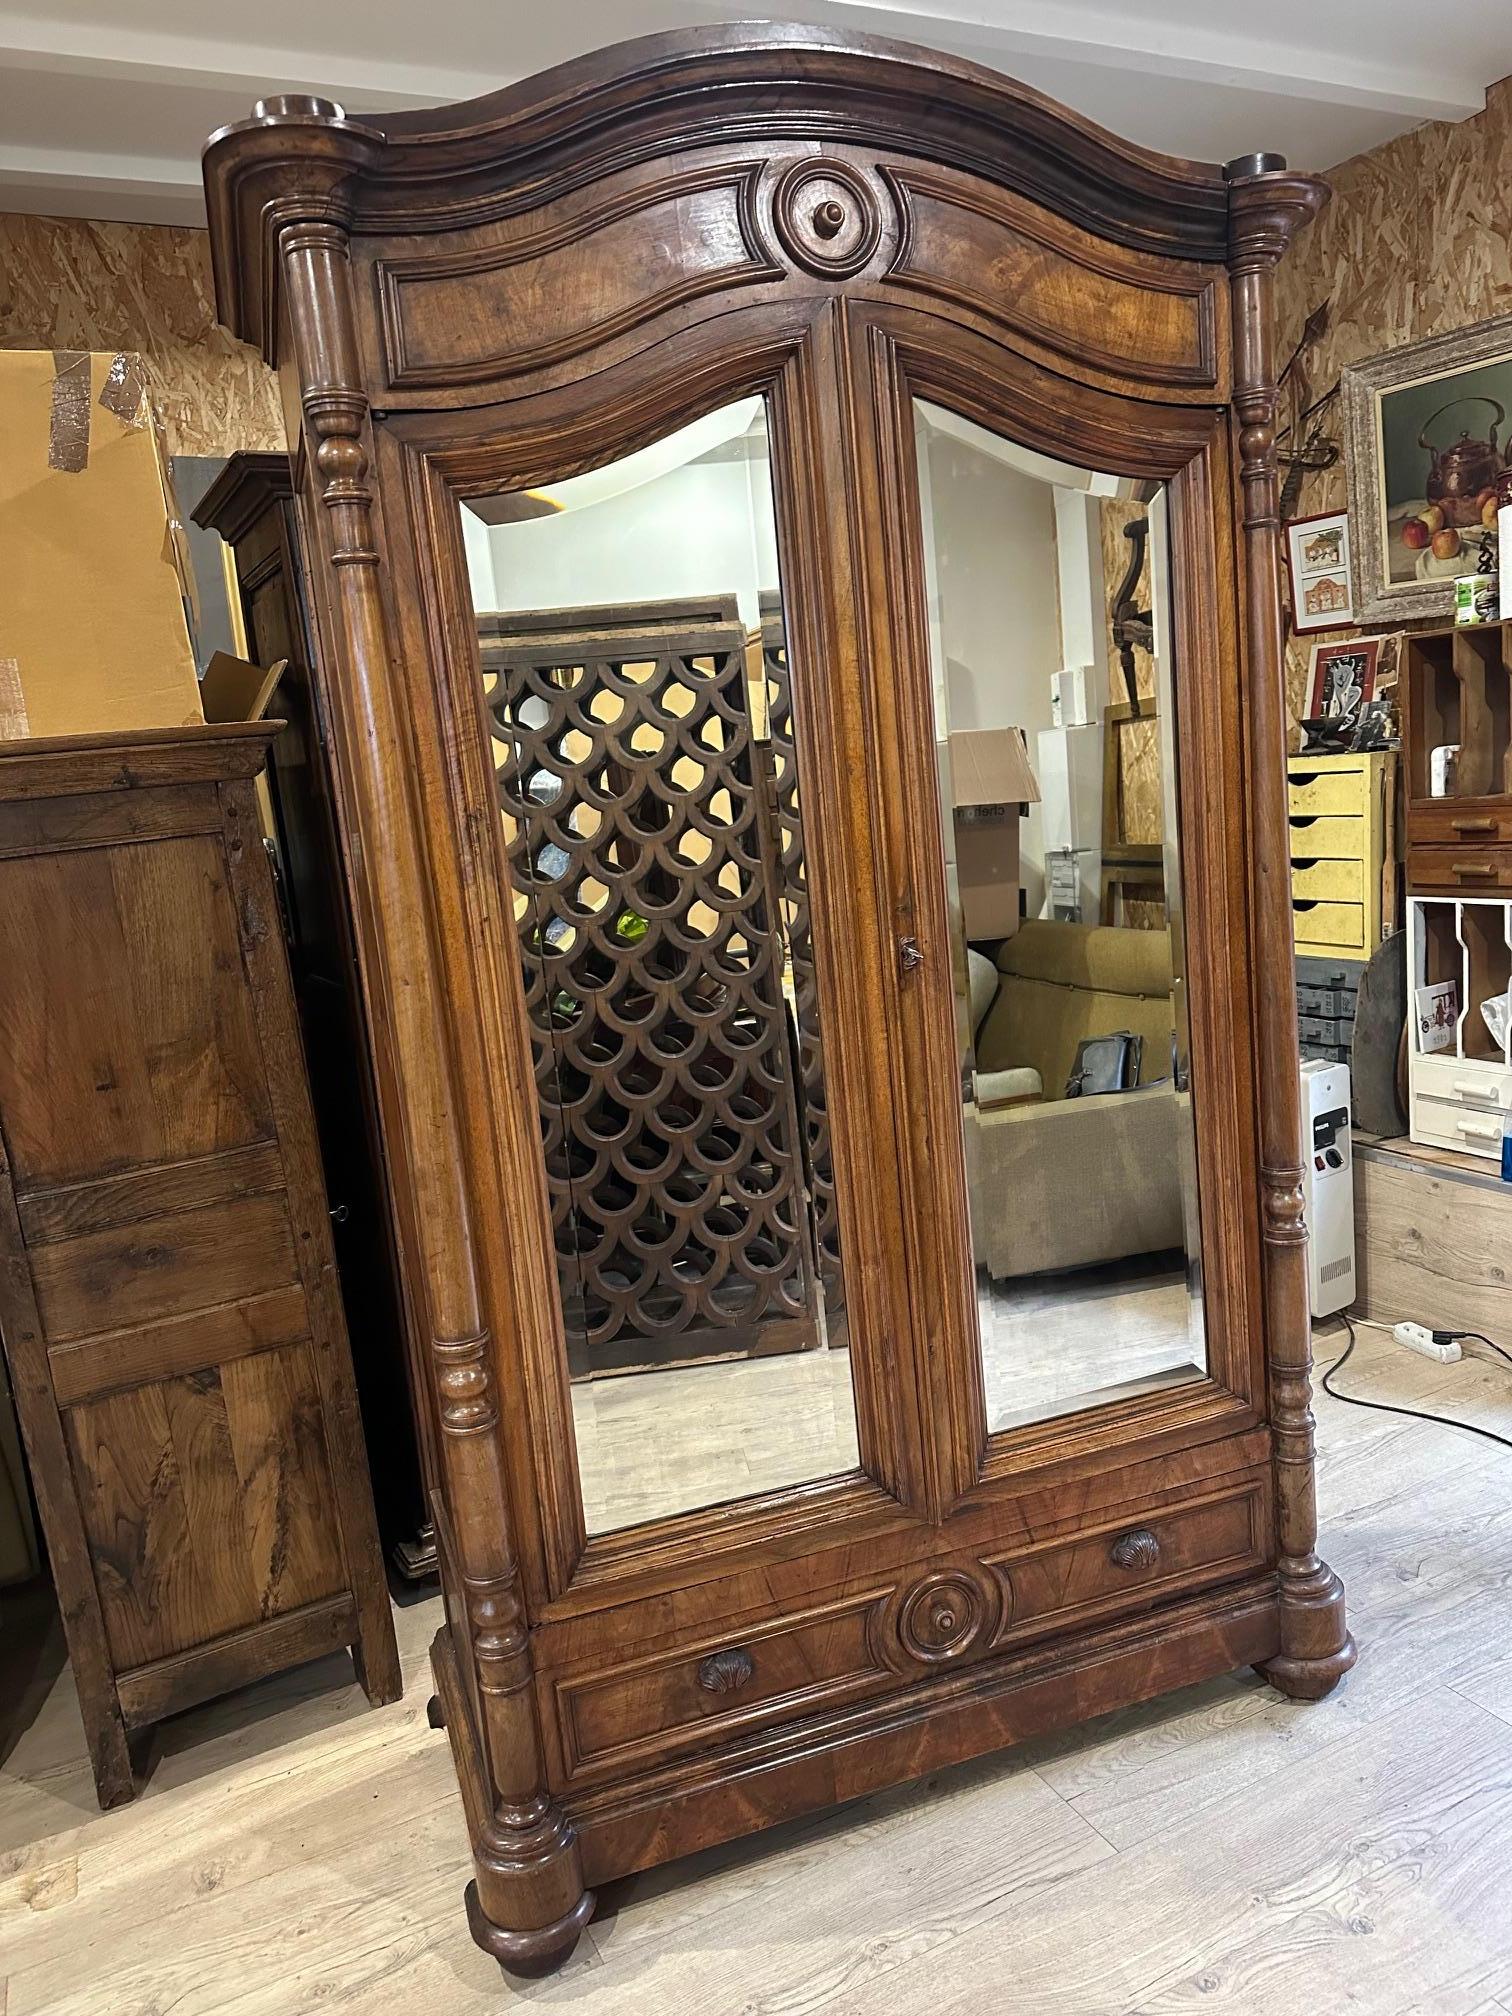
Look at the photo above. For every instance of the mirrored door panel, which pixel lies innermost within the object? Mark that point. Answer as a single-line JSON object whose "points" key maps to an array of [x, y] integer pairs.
{"points": [[634, 660], [1054, 716]]}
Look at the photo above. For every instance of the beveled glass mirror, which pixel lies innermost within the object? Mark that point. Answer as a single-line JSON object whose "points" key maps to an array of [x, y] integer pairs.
{"points": [[1054, 709], [634, 660]]}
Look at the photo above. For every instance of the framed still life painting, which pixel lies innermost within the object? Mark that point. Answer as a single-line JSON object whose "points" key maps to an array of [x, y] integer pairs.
{"points": [[1317, 559], [1426, 430]]}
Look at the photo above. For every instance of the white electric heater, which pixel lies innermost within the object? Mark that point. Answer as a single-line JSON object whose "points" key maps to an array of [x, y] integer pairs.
{"points": [[1328, 1186]]}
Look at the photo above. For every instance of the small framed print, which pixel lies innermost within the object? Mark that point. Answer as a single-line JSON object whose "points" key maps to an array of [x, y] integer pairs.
{"points": [[1341, 683], [1317, 559]]}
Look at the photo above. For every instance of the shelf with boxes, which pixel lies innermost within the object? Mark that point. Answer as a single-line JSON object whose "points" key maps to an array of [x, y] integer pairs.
{"points": [[1328, 992], [1459, 952], [1336, 812]]}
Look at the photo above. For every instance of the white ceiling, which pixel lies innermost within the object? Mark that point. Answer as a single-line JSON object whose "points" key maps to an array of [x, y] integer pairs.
{"points": [[103, 109]]}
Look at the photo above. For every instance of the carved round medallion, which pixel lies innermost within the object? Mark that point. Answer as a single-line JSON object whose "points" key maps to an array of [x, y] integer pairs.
{"points": [[827, 217], [945, 1616]]}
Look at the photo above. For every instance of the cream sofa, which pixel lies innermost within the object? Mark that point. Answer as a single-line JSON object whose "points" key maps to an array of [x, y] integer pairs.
{"points": [[1057, 1182]]}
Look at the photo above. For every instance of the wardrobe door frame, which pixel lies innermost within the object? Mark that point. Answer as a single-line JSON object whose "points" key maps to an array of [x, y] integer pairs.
{"points": [[785, 351], [898, 353]]}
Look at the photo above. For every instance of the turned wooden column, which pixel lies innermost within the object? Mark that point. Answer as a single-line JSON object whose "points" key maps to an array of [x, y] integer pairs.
{"points": [[527, 1904], [1266, 208]]}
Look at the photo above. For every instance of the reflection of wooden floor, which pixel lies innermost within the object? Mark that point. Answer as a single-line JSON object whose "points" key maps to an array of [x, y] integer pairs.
{"points": [[655, 1443], [1218, 1849], [1059, 1343]]}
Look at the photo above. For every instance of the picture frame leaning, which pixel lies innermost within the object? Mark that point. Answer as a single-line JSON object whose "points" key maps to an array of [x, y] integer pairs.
{"points": [[1426, 430]]}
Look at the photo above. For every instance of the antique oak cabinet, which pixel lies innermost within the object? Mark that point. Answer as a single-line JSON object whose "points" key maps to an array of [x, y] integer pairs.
{"points": [[538, 354]]}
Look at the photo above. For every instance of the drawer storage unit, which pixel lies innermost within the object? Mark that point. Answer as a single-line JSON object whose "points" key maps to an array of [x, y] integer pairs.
{"points": [[1459, 1093], [1328, 991], [1456, 693], [1336, 810]]}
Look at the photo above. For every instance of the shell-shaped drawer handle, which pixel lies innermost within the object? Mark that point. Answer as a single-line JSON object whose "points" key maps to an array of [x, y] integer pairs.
{"points": [[1139, 1549], [726, 1672]]}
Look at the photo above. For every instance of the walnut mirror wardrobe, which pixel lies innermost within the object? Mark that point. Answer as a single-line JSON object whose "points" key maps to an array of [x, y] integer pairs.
{"points": [[702, 486]]}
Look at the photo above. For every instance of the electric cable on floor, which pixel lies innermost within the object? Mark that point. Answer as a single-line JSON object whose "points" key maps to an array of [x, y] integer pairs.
{"points": [[1412, 1413]]}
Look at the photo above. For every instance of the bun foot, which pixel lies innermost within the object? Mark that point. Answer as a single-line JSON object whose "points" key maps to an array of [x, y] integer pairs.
{"points": [[1316, 1648], [529, 1954], [1308, 1679], [435, 1714]]}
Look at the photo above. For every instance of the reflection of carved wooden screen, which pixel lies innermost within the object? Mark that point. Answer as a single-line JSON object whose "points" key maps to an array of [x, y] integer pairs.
{"points": [[821, 1167], [645, 886]]}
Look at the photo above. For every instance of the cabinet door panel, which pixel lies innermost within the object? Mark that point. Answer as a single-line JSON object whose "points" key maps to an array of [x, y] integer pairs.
{"points": [[1071, 874]]}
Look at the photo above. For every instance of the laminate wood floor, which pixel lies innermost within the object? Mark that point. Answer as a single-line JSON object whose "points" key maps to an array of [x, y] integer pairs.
{"points": [[1222, 1849]]}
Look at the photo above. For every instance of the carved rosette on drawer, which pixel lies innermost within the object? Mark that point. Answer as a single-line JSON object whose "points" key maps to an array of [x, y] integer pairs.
{"points": [[945, 1618], [828, 217]]}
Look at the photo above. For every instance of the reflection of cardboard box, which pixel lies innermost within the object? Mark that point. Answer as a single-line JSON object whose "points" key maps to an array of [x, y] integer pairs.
{"points": [[92, 629], [990, 784]]}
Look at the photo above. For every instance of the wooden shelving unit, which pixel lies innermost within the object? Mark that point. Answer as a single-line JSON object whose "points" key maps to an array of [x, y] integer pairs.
{"points": [[1456, 688], [1458, 1095]]}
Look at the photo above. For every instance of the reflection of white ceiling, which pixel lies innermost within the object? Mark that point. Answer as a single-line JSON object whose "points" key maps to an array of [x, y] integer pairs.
{"points": [[940, 420], [103, 109]]}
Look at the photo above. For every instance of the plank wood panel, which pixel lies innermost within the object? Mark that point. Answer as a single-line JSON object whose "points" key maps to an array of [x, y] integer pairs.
{"points": [[50, 825], [205, 1065], [162, 1267], [158, 1485], [186, 1678], [274, 1419], [144, 1193], [115, 1359], [75, 1088], [1433, 1240]]}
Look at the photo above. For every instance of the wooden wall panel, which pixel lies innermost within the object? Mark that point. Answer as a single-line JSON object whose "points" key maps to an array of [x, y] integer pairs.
{"points": [[207, 1501], [1139, 783], [1414, 244], [73, 284], [148, 938]]}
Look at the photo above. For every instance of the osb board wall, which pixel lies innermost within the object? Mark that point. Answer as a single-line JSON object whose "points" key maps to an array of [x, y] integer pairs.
{"points": [[69, 284], [1139, 787], [1414, 244]]}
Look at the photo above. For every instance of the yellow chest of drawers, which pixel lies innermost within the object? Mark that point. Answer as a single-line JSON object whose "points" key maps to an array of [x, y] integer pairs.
{"points": [[1336, 807]]}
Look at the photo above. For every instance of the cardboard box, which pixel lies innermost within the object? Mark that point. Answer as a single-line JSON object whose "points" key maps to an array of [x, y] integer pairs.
{"points": [[92, 628], [990, 784]]}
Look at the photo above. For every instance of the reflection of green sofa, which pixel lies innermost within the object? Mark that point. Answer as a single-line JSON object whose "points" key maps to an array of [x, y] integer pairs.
{"points": [[1059, 1182]]}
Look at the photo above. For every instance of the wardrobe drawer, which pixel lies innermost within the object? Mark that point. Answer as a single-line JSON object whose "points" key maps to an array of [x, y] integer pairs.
{"points": [[1332, 881], [1449, 822], [695, 1694], [1341, 924], [1142, 1555], [1471, 869], [1342, 839], [1327, 791]]}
